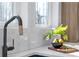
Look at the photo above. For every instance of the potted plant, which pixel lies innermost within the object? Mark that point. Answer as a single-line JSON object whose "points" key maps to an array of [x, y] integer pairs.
{"points": [[59, 30]]}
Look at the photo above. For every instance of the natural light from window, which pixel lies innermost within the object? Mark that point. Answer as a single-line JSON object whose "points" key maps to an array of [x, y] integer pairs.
{"points": [[41, 13], [6, 11]]}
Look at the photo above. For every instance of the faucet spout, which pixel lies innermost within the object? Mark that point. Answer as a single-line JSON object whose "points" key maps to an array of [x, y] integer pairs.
{"points": [[5, 48], [20, 25]]}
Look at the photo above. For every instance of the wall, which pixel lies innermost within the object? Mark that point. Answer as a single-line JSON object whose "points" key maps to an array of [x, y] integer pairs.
{"points": [[32, 35]]}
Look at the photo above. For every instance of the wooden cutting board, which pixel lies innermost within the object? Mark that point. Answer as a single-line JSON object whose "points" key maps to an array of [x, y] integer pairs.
{"points": [[64, 49]]}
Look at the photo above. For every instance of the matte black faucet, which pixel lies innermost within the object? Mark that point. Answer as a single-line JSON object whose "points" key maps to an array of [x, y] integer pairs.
{"points": [[5, 48]]}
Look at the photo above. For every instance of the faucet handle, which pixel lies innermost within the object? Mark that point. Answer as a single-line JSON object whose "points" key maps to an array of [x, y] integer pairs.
{"points": [[13, 42], [12, 47]]}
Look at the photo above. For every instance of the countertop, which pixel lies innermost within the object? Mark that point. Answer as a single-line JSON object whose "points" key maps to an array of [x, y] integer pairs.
{"points": [[43, 50]]}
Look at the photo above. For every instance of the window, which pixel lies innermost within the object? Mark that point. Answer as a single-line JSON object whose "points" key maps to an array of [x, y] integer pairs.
{"points": [[6, 11], [42, 13]]}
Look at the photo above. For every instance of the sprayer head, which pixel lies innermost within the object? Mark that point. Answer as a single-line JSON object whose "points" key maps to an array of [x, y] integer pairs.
{"points": [[20, 30]]}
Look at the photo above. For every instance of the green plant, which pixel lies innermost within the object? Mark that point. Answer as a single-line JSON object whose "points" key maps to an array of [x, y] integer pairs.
{"points": [[61, 29]]}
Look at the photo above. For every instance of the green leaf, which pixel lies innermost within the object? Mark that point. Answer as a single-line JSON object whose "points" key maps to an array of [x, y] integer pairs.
{"points": [[61, 29], [65, 37]]}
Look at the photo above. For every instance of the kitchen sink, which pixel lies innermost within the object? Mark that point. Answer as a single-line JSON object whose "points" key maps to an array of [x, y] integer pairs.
{"points": [[37, 56]]}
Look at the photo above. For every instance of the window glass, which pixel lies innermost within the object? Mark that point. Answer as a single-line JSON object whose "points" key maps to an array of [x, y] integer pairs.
{"points": [[42, 13], [6, 11]]}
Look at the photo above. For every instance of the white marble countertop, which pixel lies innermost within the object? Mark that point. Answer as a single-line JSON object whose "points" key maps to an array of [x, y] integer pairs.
{"points": [[43, 50]]}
